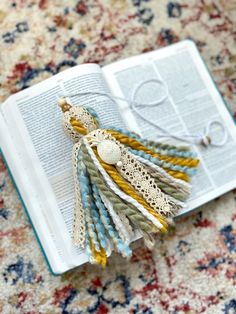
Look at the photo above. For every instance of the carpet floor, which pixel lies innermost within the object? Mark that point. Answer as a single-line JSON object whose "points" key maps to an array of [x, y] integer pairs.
{"points": [[193, 268]]}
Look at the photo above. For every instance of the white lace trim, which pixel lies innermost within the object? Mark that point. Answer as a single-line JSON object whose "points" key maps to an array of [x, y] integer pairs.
{"points": [[79, 214], [159, 172], [138, 176]]}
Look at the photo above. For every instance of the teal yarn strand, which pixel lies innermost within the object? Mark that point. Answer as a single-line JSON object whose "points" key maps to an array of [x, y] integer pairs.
{"points": [[86, 188], [93, 113], [161, 148], [125, 132], [88, 249], [99, 227], [162, 163], [169, 150], [104, 216], [86, 201]]}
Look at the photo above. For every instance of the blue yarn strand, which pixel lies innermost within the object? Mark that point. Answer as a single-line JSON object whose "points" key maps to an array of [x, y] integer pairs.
{"points": [[86, 199], [162, 163], [121, 246], [169, 152]]}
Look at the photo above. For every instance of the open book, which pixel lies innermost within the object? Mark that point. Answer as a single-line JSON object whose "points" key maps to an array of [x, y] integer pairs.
{"points": [[38, 153]]}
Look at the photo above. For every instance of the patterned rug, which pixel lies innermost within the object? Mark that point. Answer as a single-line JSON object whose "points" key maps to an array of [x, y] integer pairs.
{"points": [[193, 268]]}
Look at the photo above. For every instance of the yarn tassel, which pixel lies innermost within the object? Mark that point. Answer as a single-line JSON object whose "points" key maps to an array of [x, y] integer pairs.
{"points": [[96, 236], [123, 182]]}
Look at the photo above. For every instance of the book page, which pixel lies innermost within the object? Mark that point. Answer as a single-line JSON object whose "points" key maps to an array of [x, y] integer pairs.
{"points": [[46, 150], [29, 198], [193, 101]]}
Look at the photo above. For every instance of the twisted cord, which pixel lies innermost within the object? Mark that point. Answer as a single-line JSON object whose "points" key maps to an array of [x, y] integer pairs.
{"points": [[103, 241], [171, 150], [123, 131], [98, 253], [173, 173], [173, 195], [101, 257], [168, 166], [125, 221], [123, 228], [118, 193], [99, 227], [88, 250], [131, 212], [188, 162], [128, 189], [178, 175], [120, 245], [85, 197], [114, 217], [93, 256], [162, 148], [160, 224]]}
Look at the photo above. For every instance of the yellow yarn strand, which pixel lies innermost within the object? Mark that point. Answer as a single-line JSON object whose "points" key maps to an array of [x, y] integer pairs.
{"points": [[100, 257], [124, 139], [178, 175], [78, 126], [174, 160], [81, 129], [125, 187]]}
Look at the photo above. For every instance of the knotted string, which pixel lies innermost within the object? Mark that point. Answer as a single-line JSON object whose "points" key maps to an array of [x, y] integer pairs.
{"points": [[203, 138]]}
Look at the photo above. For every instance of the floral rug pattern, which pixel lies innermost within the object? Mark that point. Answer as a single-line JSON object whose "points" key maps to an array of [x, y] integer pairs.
{"points": [[193, 268]]}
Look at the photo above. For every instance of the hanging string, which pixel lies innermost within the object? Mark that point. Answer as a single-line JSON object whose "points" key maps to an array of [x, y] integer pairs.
{"points": [[203, 138]]}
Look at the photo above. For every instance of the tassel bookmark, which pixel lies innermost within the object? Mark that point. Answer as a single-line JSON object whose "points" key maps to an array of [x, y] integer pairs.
{"points": [[122, 183]]}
